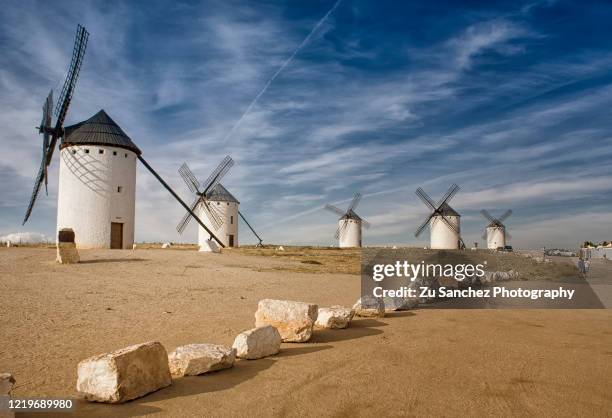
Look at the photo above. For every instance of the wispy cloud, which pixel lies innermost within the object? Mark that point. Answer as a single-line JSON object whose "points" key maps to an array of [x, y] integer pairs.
{"points": [[497, 101]]}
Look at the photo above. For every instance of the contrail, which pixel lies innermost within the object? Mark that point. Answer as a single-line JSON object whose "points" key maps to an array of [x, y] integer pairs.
{"points": [[281, 68]]}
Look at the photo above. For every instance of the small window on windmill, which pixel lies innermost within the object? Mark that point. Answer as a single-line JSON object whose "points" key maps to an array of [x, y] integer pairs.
{"points": [[100, 151], [114, 152], [73, 151], [86, 151], [227, 203], [119, 189], [218, 203], [126, 155], [231, 220]]}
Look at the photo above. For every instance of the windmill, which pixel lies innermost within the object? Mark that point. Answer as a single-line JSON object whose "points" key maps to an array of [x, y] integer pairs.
{"points": [[495, 233], [444, 221], [216, 205], [348, 233], [96, 194], [50, 132]]}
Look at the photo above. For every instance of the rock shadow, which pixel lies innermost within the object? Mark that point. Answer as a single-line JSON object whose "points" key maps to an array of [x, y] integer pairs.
{"points": [[289, 351], [399, 314], [242, 371], [359, 328]]}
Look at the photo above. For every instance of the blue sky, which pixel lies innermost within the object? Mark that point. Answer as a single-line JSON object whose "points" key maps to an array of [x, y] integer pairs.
{"points": [[510, 100]]}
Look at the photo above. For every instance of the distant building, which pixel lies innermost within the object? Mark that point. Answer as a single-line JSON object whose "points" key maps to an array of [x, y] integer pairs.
{"points": [[442, 236], [226, 206], [597, 252], [350, 227]]}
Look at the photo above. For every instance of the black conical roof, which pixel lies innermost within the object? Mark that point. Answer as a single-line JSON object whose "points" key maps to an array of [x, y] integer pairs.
{"points": [[100, 129], [446, 210], [220, 194], [351, 215]]}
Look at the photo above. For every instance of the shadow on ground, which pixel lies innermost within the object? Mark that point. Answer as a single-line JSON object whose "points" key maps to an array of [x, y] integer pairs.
{"points": [[359, 328], [242, 371]]}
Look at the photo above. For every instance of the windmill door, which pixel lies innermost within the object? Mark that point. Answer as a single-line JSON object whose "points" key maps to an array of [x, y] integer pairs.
{"points": [[116, 235], [231, 240]]}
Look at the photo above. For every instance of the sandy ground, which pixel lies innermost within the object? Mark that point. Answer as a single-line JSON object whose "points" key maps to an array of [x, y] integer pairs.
{"points": [[417, 363]]}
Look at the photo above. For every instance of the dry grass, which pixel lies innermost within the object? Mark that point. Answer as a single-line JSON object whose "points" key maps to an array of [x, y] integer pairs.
{"points": [[348, 261], [321, 260], [308, 259]]}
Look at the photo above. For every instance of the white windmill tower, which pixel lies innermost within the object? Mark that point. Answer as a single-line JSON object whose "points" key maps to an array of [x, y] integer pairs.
{"points": [[444, 221], [96, 196], [216, 206], [495, 233], [348, 233], [97, 184]]}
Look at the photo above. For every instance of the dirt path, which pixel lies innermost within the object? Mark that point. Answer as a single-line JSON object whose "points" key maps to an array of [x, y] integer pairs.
{"points": [[600, 279], [423, 362]]}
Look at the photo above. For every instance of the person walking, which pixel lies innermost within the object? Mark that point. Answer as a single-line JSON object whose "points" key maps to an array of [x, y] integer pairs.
{"points": [[581, 267]]}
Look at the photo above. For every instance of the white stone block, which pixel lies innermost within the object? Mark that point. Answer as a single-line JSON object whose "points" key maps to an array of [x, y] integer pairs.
{"points": [[334, 317], [67, 253], [400, 303], [6, 384], [294, 320], [125, 374], [257, 343], [195, 359], [369, 307]]}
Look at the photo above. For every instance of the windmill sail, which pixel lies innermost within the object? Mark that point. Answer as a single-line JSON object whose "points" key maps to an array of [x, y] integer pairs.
{"points": [[194, 186], [440, 210], [344, 225], [496, 222], [61, 110]]}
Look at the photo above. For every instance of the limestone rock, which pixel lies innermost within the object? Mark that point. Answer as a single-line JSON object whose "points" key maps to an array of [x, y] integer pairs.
{"points": [[281, 248], [368, 306], [124, 374], [6, 384], [166, 245], [257, 343], [210, 246], [334, 317], [294, 320], [67, 253], [500, 276], [194, 359], [400, 303]]}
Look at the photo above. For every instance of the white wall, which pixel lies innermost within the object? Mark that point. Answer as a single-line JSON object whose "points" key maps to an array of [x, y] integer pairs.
{"points": [[598, 252], [228, 211], [496, 237], [88, 198], [351, 237], [442, 237]]}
